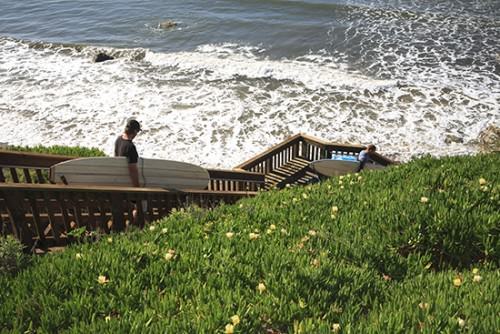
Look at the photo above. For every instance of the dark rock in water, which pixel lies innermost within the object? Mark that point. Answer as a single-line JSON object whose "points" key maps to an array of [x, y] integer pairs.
{"points": [[167, 24], [489, 139], [453, 139], [100, 57]]}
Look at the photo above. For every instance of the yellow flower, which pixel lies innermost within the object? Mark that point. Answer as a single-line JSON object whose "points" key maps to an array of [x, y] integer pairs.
{"points": [[477, 278], [269, 231], [261, 287], [335, 209], [341, 177], [341, 187], [235, 319], [457, 281], [482, 181], [272, 227], [302, 304], [283, 231], [170, 254], [102, 279], [315, 263], [336, 328], [229, 235], [108, 318], [295, 199], [312, 233], [78, 256], [229, 329], [305, 196], [152, 228], [423, 306], [475, 270], [424, 199], [360, 178], [253, 236], [164, 230], [241, 206], [110, 240], [461, 322]]}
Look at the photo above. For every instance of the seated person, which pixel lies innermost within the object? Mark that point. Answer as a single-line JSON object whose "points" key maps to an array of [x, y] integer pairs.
{"points": [[364, 156]]}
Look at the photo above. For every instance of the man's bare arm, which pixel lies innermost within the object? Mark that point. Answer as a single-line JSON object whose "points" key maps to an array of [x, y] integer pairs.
{"points": [[134, 174]]}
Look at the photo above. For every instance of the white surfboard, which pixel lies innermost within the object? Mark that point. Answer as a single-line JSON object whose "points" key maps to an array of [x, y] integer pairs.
{"points": [[166, 174], [330, 167]]}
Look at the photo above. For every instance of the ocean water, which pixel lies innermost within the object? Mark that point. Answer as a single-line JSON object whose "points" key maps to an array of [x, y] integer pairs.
{"points": [[236, 76]]}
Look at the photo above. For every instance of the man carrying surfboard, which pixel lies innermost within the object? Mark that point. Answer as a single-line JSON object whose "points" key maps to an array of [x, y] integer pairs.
{"points": [[124, 147], [364, 156]]}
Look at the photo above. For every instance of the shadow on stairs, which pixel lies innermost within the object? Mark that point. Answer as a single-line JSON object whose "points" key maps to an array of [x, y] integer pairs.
{"points": [[295, 171]]}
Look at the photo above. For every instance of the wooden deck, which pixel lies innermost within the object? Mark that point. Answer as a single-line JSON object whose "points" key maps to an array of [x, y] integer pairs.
{"points": [[43, 215]]}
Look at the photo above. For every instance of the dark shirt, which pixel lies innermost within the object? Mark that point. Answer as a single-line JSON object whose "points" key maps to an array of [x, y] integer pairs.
{"points": [[125, 148]]}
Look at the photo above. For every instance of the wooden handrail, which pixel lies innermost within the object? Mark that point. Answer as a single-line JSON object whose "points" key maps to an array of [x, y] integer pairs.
{"points": [[235, 175], [110, 189], [30, 160], [269, 152]]}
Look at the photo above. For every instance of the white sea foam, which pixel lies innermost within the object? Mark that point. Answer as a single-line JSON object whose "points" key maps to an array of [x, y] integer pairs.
{"points": [[219, 105]]}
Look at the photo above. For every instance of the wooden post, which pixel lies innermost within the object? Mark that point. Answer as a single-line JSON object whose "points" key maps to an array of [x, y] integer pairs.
{"points": [[13, 173], [27, 176], [14, 202], [117, 211], [39, 176], [56, 231]]}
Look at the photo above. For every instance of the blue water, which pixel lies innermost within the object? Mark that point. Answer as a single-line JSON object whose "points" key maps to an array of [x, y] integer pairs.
{"points": [[234, 77]]}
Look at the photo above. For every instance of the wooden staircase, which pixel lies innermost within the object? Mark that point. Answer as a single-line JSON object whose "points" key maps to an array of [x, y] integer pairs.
{"points": [[295, 171]]}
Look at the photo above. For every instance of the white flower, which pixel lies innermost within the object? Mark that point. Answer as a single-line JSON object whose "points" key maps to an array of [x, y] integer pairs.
{"points": [[78, 256], [272, 227], [229, 235], [477, 278], [461, 322], [312, 233], [336, 328], [283, 231], [164, 230], [424, 199], [261, 287], [152, 228], [335, 209]]}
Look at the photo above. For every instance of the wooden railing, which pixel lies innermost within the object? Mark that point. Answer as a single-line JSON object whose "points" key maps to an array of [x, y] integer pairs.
{"points": [[20, 167], [304, 147], [42, 215]]}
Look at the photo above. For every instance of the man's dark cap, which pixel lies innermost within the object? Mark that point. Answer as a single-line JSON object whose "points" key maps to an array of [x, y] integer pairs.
{"points": [[133, 125]]}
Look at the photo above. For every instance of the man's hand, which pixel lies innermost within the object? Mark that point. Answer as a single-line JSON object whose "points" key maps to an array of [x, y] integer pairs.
{"points": [[134, 174]]}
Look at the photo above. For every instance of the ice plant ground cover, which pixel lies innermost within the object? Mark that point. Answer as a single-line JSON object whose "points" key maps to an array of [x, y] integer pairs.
{"points": [[411, 249]]}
